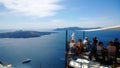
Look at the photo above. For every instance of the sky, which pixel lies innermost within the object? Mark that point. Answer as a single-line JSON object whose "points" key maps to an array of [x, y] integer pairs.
{"points": [[50, 14]]}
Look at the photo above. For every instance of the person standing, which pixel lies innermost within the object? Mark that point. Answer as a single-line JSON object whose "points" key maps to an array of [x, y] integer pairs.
{"points": [[94, 47], [117, 45]]}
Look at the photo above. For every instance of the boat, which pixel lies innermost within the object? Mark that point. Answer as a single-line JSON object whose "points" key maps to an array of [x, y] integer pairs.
{"points": [[26, 61]]}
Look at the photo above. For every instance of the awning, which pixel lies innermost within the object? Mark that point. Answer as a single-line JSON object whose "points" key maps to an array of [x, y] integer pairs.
{"points": [[104, 28]]}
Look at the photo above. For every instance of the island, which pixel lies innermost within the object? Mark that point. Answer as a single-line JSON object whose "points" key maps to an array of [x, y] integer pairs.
{"points": [[74, 28], [23, 34]]}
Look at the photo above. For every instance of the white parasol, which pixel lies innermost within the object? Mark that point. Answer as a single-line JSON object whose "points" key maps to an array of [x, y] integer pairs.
{"points": [[73, 36]]}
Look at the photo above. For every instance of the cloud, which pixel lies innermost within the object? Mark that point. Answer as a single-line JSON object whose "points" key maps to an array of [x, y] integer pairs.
{"points": [[34, 8]]}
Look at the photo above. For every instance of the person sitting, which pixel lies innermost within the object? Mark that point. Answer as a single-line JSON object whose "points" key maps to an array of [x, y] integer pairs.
{"points": [[111, 48], [99, 48], [72, 46], [79, 47], [111, 51], [99, 53]]}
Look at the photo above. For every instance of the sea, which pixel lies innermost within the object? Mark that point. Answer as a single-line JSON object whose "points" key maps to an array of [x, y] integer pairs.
{"points": [[47, 51]]}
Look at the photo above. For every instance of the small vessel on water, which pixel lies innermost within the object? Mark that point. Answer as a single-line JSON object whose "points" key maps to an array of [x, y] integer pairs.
{"points": [[26, 61]]}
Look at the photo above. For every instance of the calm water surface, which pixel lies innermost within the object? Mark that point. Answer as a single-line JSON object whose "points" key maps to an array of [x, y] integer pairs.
{"points": [[46, 51]]}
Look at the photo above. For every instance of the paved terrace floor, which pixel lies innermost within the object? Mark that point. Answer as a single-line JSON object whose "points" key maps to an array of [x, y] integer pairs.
{"points": [[83, 61]]}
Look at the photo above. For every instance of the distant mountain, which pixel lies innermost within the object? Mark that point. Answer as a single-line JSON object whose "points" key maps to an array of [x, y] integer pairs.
{"points": [[74, 28], [23, 34]]}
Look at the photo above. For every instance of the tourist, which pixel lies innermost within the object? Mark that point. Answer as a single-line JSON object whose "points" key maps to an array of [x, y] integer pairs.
{"points": [[79, 47], [86, 43], [111, 48], [111, 52], [72, 46], [94, 44], [100, 48], [100, 52], [95, 41], [117, 45]]}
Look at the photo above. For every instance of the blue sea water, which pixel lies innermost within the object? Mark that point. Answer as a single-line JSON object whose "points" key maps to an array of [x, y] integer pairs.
{"points": [[46, 51]]}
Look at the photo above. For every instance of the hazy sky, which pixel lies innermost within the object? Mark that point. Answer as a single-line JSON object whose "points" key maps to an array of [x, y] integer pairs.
{"points": [[40, 14]]}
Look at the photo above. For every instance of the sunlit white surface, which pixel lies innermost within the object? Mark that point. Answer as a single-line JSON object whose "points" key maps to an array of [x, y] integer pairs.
{"points": [[82, 60], [83, 63], [6, 66], [74, 64]]}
